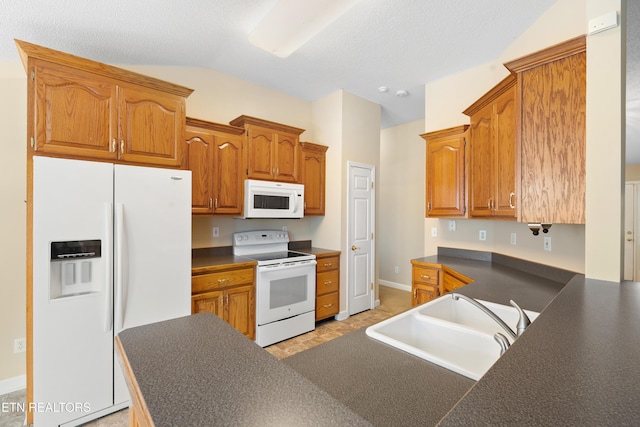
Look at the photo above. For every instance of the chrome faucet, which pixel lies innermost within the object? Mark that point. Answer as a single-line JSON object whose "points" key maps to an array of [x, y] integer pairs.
{"points": [[523, 320], [502, 341]]}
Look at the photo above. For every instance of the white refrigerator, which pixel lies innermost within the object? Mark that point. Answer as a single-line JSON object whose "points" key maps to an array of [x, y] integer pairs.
{"points": [[111, 250]]}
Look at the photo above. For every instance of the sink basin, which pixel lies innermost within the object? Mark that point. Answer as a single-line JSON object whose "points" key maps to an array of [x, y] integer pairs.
{"points": [[452, 334]]}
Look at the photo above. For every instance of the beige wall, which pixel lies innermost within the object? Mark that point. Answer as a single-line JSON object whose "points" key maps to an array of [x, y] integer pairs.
{"points": [[13, 114], [448, 97], [401, 202], [605, 147]]}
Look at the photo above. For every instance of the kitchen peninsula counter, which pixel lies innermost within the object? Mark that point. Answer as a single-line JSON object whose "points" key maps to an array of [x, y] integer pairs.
{"points": [[199, 371]]}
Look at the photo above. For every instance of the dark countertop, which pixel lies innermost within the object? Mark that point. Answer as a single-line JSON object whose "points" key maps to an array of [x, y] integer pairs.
{"points": [[578, 364], [199, 371], [500, 278], [383, 385], [210, 260]]}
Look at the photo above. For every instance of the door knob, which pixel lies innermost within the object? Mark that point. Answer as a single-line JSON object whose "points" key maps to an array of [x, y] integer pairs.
{"points": [[354, 248]]}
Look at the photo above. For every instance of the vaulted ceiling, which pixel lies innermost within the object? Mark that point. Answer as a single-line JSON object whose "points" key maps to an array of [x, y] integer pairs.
{"points": [[401, 44]]}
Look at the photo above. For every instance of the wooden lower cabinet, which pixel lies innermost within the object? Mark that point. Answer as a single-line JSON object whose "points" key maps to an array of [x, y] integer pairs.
{"points": [[429, 281], [327, 285], [230, 294]]}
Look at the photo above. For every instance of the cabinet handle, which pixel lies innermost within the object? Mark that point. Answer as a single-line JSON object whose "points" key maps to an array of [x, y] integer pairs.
{"points": [[424, 276], [223, 281], [415, 293], [122, 146], [215, 203], [328, 305], [113, 145], [277, 171], [210, 203], [328, 264], [511, 205], [328, 282]]}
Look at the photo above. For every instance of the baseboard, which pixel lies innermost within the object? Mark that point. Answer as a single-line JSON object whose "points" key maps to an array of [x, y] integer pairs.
{"points": [[342, 315], [395, 285], [13, 384]]}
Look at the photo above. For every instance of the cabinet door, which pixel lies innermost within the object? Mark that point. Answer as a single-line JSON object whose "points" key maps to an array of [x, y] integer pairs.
{"points": [[423, 293], [504, 129], [227, 174], [445, 176], [151, 126], [260, 151], [208, 302], [313, 177], [75, 113], [286, 157], [240, 309], [554, 144], [481, 164], [199, 148]]}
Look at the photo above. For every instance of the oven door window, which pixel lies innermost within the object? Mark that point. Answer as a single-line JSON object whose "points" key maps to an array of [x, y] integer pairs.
{"points": [[287, 291]]}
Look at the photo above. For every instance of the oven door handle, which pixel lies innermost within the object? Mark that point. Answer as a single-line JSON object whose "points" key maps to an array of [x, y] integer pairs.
{"points": [[287, 266]]}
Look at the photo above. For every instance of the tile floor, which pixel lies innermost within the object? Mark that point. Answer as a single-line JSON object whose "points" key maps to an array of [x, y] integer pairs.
{"points": [[392, 301]]}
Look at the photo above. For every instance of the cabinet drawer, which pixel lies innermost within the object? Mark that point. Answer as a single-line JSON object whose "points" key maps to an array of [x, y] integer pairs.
{"points": [[329, 263], [327, 305], [425, 275], [328, 281], [221, 280]]}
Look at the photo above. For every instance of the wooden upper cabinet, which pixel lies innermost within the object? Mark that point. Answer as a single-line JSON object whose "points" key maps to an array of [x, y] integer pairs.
{"points": [[199, 160], [492, 152], [272, 149], [151, 126], [74, 113], [552, 125], [312, 175], [214, 155], [80, 108], [445, 172]]}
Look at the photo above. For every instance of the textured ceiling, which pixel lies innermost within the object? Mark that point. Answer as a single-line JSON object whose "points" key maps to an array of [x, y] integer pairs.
{"points": [[402, 44]]}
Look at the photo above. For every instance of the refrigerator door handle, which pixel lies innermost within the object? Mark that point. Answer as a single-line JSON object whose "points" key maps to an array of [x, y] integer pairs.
{"points": [[121, 270], [108, 297]]}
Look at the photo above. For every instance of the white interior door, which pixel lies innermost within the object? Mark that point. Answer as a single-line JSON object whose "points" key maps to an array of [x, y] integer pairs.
{"points": [[360, 237]]}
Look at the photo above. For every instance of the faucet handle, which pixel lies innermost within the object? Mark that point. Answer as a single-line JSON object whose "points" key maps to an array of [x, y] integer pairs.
{"points": [[523, 320]]}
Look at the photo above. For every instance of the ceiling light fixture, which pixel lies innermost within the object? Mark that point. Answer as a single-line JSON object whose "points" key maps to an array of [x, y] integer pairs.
{"points": [[383, 89], [292, 23], [402, 93]]}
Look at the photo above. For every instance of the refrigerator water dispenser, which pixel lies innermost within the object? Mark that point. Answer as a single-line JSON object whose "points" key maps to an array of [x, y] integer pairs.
{"points": [[74, 268]]}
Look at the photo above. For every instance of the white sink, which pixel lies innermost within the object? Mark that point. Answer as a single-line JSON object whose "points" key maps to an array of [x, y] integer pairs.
{"points": [[453, 334]]}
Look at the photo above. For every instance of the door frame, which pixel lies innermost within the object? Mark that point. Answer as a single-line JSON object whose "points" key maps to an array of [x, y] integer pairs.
{"points": [[372, 215]]}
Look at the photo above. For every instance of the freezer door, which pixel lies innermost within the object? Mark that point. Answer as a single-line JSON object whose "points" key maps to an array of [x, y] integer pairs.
{"points": [[72, 335], [153, 248]]}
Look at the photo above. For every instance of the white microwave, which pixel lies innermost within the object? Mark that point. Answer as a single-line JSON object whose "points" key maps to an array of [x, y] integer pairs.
{"points": [[268, 199]]}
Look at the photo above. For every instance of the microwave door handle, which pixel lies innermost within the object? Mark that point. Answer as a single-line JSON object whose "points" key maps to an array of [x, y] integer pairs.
{"points": [[295, 201]]}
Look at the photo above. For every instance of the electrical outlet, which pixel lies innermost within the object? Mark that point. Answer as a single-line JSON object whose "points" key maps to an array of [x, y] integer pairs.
{"points": [[513, 238], [19, 345], [216, 231], [547, 243], [434, 231], [284, 228], [482, 235], [396, 269], [452, 225]]}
